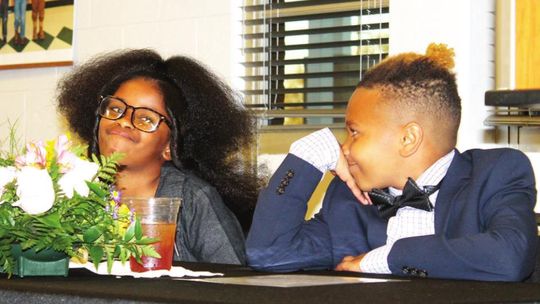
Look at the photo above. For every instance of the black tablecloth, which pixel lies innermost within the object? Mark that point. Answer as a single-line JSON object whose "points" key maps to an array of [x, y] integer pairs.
{"points": [[82, 286]]}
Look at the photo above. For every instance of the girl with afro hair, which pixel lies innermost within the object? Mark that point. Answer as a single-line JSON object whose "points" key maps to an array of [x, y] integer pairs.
{"points": [[181, 130]]}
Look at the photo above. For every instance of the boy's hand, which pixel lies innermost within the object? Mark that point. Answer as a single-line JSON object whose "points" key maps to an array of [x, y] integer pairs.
{"points": [[342, 171], [350, 263]]}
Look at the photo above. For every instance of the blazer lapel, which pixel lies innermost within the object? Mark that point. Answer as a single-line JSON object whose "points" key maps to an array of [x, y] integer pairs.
{"points": [[455, 180]]}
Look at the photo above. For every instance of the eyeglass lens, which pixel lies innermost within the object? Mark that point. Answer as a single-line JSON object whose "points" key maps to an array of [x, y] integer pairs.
{"points": [[143, 119]]}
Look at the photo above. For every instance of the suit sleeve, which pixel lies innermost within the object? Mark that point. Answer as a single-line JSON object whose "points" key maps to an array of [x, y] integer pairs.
{"points": [[280, 239], [504, 244]]}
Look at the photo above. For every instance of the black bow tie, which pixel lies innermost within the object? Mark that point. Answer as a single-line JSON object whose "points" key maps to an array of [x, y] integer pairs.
{"points": [[412, 196]]}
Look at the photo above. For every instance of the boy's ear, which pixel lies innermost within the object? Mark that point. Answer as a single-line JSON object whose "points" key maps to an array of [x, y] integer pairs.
{"points": [[412, 135]]}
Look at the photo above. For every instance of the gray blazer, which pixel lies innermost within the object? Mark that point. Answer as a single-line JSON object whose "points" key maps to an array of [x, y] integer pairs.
{"points": [[207, 231]]}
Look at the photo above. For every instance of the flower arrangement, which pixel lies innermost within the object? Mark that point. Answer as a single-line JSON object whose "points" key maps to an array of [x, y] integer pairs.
{"points": [[51, 196]]}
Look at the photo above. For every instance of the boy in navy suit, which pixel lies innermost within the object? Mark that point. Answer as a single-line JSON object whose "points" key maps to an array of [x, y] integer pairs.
{"points": [[407, 202]]}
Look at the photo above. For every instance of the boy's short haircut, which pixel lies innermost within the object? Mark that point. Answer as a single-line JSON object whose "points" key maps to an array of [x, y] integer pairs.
{"points": [[422, 83]]}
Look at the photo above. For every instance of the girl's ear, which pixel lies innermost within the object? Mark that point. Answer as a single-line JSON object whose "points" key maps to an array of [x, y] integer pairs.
{"points": [[166, 154], [411, 138]]}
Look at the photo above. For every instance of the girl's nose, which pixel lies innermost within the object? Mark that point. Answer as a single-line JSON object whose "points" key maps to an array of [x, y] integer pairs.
{"points": [[125, 121]]}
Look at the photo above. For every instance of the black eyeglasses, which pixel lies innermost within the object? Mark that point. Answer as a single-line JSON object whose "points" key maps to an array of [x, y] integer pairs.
{"points": [[144, 119]]}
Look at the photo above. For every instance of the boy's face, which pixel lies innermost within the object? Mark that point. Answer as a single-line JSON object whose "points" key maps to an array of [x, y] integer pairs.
{"points": [[373, 141]]}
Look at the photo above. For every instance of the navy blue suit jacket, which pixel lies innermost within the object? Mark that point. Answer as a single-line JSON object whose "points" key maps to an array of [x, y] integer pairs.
{"points": [[485, 226]]}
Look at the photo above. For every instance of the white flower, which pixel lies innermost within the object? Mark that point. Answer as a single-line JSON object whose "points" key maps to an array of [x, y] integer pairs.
{"points": [[35, 190], [75, 179], [7, 174]]}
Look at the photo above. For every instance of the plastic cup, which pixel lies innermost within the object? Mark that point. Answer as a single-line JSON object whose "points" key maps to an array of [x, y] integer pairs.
{"points": [[158, 219]]}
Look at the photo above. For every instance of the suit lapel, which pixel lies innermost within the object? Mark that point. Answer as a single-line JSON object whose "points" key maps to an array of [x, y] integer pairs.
{"points": [[455, 180]]}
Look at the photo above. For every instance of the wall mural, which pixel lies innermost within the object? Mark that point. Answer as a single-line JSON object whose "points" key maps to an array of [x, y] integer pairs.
{"points": [[36, 33]]}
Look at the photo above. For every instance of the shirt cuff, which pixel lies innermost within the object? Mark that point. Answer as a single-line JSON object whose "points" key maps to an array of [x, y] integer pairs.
{"points": [[321, 149], [376, 261]]}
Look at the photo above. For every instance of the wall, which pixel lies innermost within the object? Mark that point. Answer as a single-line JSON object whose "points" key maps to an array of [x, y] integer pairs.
{"points": [[468, 27], [199, 28]]}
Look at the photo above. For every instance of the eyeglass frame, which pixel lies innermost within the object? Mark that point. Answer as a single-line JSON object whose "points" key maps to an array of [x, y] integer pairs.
{"points": [[128, 106]]}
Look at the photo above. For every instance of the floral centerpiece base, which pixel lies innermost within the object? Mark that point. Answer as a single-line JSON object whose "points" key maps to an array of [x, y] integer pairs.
{"points": [[46, 262], [55, 203]]}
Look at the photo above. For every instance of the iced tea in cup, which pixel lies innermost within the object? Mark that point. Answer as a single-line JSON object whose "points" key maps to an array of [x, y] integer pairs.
{"points": [[158, 219]]}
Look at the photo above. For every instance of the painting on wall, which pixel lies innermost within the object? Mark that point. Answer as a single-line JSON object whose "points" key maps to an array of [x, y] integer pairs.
{"points": [[36, 33]]}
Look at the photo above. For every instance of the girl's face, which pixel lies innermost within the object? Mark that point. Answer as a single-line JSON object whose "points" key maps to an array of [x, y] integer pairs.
{"points": [[140, 149]]}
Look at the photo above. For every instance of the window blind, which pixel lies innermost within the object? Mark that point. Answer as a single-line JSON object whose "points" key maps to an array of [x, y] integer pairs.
{"points": [[307, 55]]}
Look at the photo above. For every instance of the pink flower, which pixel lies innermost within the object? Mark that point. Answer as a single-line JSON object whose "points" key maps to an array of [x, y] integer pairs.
{"points": [[36, 156], [65, 158]]}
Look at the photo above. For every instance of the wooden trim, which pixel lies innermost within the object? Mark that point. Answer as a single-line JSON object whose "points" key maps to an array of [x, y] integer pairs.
{"points": [[35, 65], [527, 44]]}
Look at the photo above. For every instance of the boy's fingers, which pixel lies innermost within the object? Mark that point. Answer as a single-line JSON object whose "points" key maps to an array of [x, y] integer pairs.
{"points": [[360, 195], [347, 258], [366, 197], [350, 263], [342, 171]]}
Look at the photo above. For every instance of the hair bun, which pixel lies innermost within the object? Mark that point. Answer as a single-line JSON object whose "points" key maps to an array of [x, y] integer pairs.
{"points": [[441, 54]]}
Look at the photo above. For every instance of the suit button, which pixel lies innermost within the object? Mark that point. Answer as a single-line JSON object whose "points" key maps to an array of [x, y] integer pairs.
{"points": [[290, 173], [280, 190], [423, 273], [405, 270], [284, 182], [413, 272]]}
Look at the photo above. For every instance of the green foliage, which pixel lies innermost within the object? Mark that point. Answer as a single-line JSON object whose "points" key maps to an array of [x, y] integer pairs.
{"points": [[95, 225], [7, 155]]}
